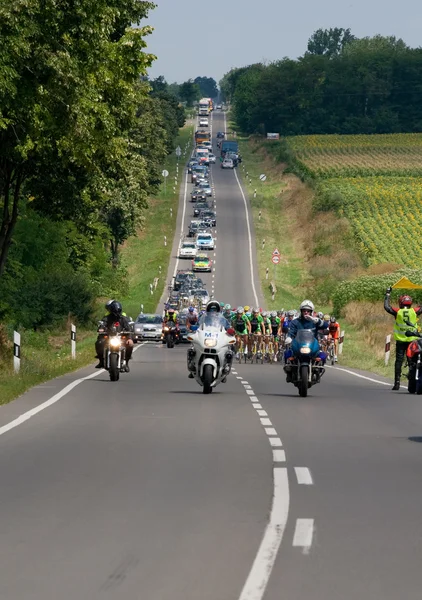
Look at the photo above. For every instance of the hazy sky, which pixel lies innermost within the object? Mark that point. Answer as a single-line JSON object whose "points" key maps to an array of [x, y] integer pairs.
{"points": [[207, 38]]}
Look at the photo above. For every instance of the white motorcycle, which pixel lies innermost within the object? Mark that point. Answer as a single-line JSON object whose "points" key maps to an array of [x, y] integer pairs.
{"points": [[210, 358]]}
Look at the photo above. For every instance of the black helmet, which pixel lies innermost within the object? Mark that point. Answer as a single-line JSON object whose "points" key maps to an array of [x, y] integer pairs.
{"points": [[115, 308], [108, 304], [213, 306]]}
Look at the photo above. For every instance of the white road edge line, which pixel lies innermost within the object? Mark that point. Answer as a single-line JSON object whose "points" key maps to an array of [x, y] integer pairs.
{"points": [[303, 535], [361, 376], [303, 476], [248, 227], [259, 575]]}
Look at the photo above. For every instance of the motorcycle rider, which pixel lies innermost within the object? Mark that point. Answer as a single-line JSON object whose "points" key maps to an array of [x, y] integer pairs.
{"points": [[114, 315], [306, 320], [404, 314], [213, 308], [171, 316]]}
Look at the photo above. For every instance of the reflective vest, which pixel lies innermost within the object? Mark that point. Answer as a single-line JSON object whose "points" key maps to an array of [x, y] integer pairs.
{"points": [[400, 327]]}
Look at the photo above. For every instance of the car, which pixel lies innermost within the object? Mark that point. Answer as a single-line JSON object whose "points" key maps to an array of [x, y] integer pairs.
{"points": [[187, 249], [227, 164], [202, 262], [199, 171], [204, 241], [208, 216], [212, 159], [198, 207], [183, 330], [201, 297], [221, 135], [197, 194], [207, 146], [191, 163], [218, 107], [234, 156], [194, 227], [147, 327], [181, 277], [205, 187], [203, 122]]}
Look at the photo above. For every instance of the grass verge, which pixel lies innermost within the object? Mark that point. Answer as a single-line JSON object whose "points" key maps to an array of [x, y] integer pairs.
{"points": [[46, 355]]}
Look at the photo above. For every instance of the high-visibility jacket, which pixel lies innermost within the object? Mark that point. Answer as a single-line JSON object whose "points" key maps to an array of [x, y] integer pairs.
{"points": [[403, 316]]}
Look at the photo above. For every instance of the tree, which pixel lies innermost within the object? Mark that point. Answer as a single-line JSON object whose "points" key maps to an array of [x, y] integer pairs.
{"points": [[67, 93], [189, 92], [208, 86], [329, 42]]}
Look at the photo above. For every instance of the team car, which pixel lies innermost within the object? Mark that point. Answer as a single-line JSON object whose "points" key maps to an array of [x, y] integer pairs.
{"points": [[202, 262], [204, 241], [187, 249]]}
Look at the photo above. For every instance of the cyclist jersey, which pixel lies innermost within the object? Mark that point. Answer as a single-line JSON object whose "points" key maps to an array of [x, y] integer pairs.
{"points": [[334, 329], [275, 324], [267, 325], [255, 322], [286, 325], [192, 318], [239, 324]]}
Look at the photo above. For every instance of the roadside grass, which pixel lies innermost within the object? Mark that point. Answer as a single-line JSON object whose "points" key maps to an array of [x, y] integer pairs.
{"points": [[285, 204], [47, 354]]}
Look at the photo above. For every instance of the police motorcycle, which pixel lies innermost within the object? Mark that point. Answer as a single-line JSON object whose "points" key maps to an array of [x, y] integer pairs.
{"points": [[210, 358], [304, 361]]}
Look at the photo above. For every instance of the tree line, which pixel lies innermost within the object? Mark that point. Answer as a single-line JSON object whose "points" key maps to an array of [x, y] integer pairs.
{"points": [[83, 137], [341, 85]]}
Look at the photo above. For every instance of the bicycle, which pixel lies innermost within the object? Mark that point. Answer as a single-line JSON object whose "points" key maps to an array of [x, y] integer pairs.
{"points": [[331, 351], [241, 348]]}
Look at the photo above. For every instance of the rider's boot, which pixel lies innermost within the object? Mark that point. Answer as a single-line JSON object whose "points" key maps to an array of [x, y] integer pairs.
{"points": [[396, 385]]}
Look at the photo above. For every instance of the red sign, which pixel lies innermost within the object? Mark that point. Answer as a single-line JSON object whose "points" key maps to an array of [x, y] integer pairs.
{"points": [[276, 252], [275, 259]]}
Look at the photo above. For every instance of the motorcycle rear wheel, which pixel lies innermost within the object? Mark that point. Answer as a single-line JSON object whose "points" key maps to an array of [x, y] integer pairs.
{"points": [[170, 342], [207, 379], [303, 383], [114, 369]]}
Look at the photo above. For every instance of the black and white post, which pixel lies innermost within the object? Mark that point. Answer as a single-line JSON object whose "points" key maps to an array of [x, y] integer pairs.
{"points": [[387, 349], [73, 340], [340, 344], [16, 351]]}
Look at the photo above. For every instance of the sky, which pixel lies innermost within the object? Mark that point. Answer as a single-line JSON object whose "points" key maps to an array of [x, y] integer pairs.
{"points": [[207, 38]]}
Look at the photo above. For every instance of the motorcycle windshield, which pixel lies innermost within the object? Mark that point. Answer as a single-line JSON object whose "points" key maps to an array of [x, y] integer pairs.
{"points": [[305, 337], [213, 320]]}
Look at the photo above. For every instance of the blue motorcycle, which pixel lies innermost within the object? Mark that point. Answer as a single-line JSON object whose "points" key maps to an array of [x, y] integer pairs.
{"points": [[304, 361]]}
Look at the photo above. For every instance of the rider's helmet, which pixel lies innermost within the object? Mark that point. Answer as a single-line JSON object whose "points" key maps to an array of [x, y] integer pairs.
{"points": [[171, 311], [265, 314], [213, 306], [108, 304], [115, 309], [291, 314], [246, 308], [191, 309], [405, 301], [333, 319], [308, 306], [255, 310], [326, 317], [240, 310], [228, 307], [273, 314], [320, 315], [280, 313]]}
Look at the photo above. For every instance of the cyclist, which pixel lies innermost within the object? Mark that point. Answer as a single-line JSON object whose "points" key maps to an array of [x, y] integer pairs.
{"points": [[247, 310], [275, 324], [227, 312], [267, 323], [241, 326], [191, 318], [334, 334], [256, 322], [287, 321]]}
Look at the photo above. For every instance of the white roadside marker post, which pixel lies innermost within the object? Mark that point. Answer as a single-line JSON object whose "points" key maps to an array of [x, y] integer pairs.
{"points": [[16, 351], [387, 349], [340, 344], [73, 340]]}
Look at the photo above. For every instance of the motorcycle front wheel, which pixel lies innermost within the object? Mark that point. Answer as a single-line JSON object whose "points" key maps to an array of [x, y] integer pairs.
{"points": [[303, 383], [169, 341], [114, 369], [207, 379]]}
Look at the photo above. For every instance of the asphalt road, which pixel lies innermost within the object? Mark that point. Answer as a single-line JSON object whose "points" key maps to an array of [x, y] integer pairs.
{"points": [[148, 489]]}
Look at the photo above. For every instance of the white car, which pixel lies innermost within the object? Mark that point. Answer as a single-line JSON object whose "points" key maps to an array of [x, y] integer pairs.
{"points": [[203, 122], [218, 107], [227, 164], [204, 241], [212, 158], [187, 250], [207, 145]]}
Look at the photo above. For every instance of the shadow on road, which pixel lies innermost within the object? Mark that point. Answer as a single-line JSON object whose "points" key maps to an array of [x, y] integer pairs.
{"points": [[415, 438]]}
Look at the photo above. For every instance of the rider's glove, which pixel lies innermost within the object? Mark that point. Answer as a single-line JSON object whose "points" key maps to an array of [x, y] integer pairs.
{"points": [[388, 291], [314, 320]]}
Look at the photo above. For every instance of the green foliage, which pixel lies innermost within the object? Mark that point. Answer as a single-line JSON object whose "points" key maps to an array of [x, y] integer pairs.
{"points": [[329, 42], [207, 86], [189, 92]]}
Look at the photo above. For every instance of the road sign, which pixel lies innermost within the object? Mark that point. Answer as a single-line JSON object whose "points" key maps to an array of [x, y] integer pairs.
{"points": [[178, 151], [276, 252], [165, 173], [263, 177], [275, 259]]}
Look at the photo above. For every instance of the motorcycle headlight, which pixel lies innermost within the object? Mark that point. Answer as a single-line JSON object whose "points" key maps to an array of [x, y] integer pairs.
{"points": [[166, 328], [210, 343], [115, 342], [305, 350]]}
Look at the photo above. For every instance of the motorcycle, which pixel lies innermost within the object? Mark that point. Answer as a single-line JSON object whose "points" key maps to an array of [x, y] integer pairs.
{"points": [[414, 361], [170, 334], [210, 358], [304, 361], [115, 352]]}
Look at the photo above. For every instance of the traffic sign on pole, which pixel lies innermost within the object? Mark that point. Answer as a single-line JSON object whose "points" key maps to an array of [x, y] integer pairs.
{"points": [[263, 177], [276, 252], [178, 151], [275, 259], [165, 174]]}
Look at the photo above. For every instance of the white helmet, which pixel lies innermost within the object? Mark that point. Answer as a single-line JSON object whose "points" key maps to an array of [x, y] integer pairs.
{"points": [[307, 305]]}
